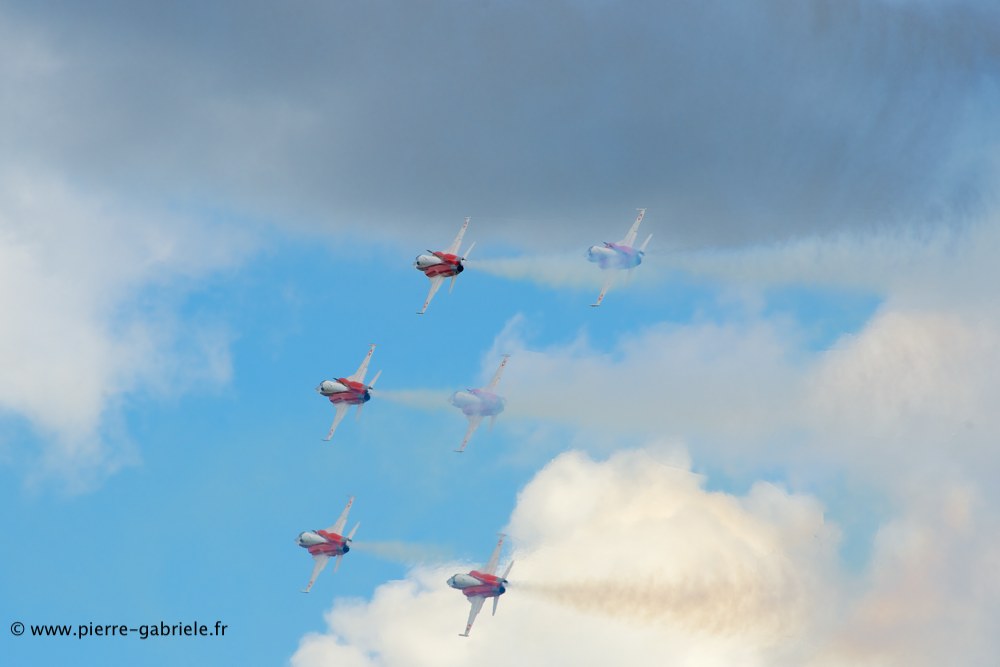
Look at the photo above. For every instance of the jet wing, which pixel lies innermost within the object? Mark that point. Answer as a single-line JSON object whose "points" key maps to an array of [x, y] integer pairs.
{"points": [[321, 560], [477, 604], [491, 566], [359, 375], [341, 409], [338, 526], [457, 243], [436, 282], [633, 230], [496, 376], [474, 421], [604, 290]]}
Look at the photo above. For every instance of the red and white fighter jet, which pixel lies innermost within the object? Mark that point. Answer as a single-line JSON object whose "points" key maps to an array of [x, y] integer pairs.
{"points": [[619, 256], [442, 264], [322, 544], [481, 584], [345, 392]]}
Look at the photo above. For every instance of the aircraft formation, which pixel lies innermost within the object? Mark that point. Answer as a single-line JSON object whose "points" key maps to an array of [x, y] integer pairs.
{"points": [[475, 404]]}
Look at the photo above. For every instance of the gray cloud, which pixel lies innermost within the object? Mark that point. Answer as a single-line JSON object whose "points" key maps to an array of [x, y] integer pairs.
{"points": [[548, 121]]}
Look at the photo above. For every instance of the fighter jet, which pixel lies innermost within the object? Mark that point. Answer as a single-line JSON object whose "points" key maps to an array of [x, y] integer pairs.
{"points": [[345, 392], [327, 542], [619, 256], [441, 264], [479, 585], [479, 403]]}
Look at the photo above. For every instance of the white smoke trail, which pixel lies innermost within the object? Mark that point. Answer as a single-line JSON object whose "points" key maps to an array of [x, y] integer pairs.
{"points": [[405, 553], [848, 260], [738, 602], [873, 261], [555, 270], [423, 399]]}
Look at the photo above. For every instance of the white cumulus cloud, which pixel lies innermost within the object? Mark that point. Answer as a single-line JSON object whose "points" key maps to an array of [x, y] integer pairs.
{"points": [[629, 560]]}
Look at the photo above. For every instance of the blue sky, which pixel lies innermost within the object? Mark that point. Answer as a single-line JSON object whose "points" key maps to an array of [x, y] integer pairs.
{"points": [[204, 213]]}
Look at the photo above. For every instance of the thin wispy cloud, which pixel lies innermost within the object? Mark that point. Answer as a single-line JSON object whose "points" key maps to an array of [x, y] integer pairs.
{"points": [[79, 336]]}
